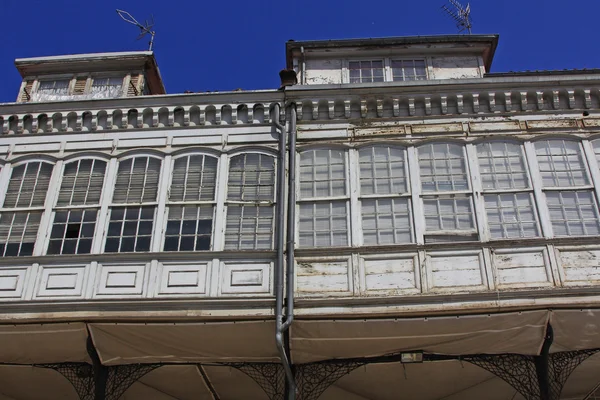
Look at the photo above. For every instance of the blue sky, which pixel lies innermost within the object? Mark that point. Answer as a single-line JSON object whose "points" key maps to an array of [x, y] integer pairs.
{"points": [[224, 45]]}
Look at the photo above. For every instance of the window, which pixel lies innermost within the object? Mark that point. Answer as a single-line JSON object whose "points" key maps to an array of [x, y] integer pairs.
{"points": [[58, 87], [134, 203], [445, 192], [23, 207], [507, 191], [77, 207], [409, 70], [568, 190], [250, 202], [107, 87], [366, 71], [385, 198], [191, 203], [323, 209]]}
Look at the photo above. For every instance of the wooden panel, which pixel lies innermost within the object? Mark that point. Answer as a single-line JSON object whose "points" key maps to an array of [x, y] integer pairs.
{"points": [[37, 147], [246, 278], [552, 124], [522, 267], [116, 280], [183, 278], [580, 266], [456, 270], [143, 142], [27, 91], [391, 274], [437, 128], [12, 282], [133, 87], [488, 127], [80, 85], [62, 281], [89, 144], [323, 277]]}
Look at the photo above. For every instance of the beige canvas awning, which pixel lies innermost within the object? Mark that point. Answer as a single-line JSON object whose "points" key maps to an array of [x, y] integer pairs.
{"points": [[41, 344], [130, 343], [576, 329], [318, 340]]}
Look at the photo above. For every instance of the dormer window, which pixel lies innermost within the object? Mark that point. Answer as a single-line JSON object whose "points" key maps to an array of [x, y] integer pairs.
{"points": [[57, 87], [366, 71], [409, 70], [107, 87], [386, 70]]}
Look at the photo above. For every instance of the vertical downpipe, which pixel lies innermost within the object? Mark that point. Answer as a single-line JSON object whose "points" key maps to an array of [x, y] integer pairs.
{"points": [[279, 267]]}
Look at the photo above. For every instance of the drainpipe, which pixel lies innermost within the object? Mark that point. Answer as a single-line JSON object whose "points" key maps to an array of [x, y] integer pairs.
{"points": [[279, 284], [291, 220]]}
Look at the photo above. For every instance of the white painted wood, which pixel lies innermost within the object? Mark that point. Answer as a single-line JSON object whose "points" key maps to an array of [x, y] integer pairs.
{"points": [[525, 267], [246, 278], [161, 209], [121, 280], [390, 274], [536, 181], [45, 227], [415, 190], [182, 278], [353, 179], [455, 271], [12, 282], [476, 187], [581, 265], [66, 281], [219, 219], [110, 179], [318, 277]]}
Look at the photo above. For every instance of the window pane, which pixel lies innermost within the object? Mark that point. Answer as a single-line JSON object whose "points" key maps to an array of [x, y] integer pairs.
{"points": [[194, 178], [322, 173], [573, 213], [449, 213], [408, 70], [82, 183], [28, 185], [511, 215], [249, 227], [189, 228], [561, 163], [366, 71], [72, 232], [137, 180], [382, 170], [18, 232], [54, 87], [442, 167], [502, 166], [386, 221], [251, 177], [130, 229], [323, 224]]}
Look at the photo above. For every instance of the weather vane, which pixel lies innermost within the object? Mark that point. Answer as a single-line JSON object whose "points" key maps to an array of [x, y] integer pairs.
{"points": [[460, 14], [145, 29]]}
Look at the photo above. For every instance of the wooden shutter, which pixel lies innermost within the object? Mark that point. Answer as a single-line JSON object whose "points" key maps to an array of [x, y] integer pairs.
{"points": [[133, 87], [82, 183], [194, 178], [26, 93], [80, 85], [137, 184], [28, 185]]}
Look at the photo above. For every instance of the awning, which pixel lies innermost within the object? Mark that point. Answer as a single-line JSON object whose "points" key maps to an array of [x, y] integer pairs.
{"points": [[576, 329], [41, 344], [317, 340], [131, 343]]}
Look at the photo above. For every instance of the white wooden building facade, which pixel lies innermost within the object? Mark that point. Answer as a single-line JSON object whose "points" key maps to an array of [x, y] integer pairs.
{"points": [[441, 212]]}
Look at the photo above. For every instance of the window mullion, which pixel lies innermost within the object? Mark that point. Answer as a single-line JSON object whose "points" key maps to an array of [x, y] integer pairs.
{"points": [[160, 213], [477, 189], [221, 194], [355, 227], [415, 190], [594, 168], [46, 221], [4, 180], [539, 196], [110, 178]]}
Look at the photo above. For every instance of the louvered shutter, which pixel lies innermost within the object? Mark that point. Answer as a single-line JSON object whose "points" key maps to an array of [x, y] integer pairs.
{"points": [[82, 183], [80, 85], [251, 177], [26, 93], [133, 87], [28, 185], [194, 178], [137, 180]]}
